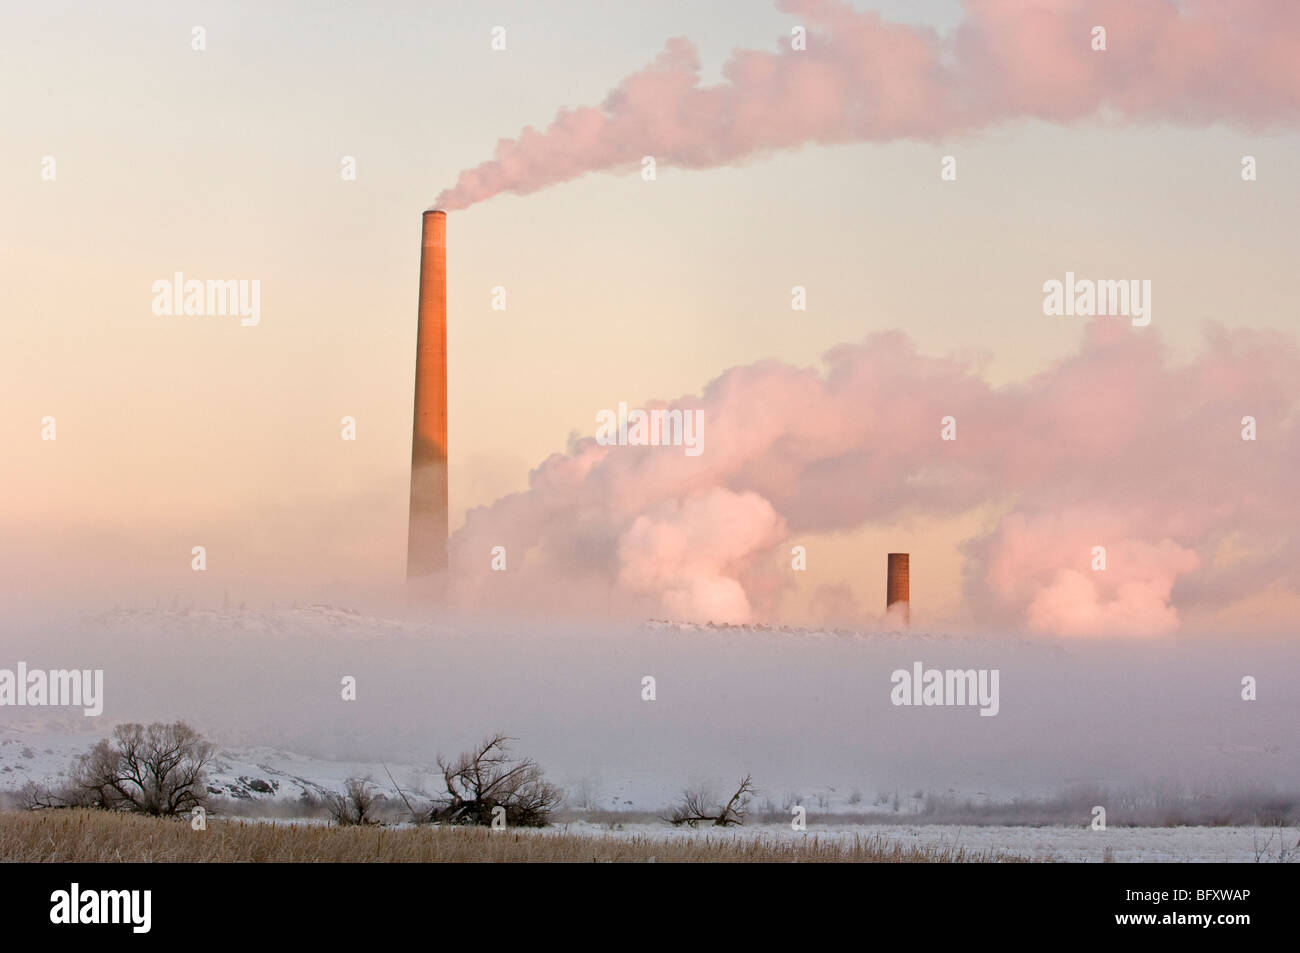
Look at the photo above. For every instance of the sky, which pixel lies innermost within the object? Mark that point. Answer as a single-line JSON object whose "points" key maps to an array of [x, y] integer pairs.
{"points": [[226, 162]]}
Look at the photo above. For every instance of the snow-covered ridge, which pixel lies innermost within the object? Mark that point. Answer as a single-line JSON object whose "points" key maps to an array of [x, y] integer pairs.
{"points": [[881, 635], [277, 622]]}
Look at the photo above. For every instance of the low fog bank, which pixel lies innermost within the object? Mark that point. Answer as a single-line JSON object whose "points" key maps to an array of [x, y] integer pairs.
{"points": [[797, 709]]}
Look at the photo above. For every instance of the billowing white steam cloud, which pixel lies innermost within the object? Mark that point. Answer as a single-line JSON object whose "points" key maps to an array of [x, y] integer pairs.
{"points": [[1114, 446], [861, 79]]}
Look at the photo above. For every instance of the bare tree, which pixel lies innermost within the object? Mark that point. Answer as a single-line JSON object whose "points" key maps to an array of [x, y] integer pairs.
{"points": [[38, 797], [356, 805], [697, 806], [145, 769], [486, 778]]}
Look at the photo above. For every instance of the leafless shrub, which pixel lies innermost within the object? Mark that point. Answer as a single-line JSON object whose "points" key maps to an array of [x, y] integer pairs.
{"points": [[356, 806], [480, 781], [152, 769], [697, 806], [1276, 847], [38, 797]]}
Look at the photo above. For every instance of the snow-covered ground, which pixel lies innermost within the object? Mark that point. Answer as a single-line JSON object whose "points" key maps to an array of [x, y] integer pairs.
{"points": [[1064, 844]]}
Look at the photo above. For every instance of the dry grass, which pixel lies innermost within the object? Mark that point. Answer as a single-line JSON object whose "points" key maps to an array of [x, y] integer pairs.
{"points": [[95, 836]]}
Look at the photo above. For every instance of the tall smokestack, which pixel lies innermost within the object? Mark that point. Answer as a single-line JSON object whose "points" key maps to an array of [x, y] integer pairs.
{"points": [[426, 547], [898, 587]]}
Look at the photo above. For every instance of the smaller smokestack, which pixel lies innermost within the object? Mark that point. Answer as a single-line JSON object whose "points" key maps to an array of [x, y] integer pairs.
{"points": [[898, 586]]}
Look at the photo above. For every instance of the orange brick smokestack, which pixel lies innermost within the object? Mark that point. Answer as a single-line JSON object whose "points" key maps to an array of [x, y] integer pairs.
{"points": [[898, 587], [426, 547]]}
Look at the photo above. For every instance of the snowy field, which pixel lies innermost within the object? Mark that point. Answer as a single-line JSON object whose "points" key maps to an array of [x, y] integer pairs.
{"points": [[1062, 844], [268, 778]]}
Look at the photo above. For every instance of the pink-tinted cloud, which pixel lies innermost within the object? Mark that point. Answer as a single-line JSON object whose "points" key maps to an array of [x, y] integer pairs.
{"points": [[862, 79], [1115, 446], [1084, 572], [691, 552]]}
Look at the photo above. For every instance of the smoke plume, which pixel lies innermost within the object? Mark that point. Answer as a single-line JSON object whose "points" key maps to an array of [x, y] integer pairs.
{"points": [[1115, 446], [862, 79]]}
